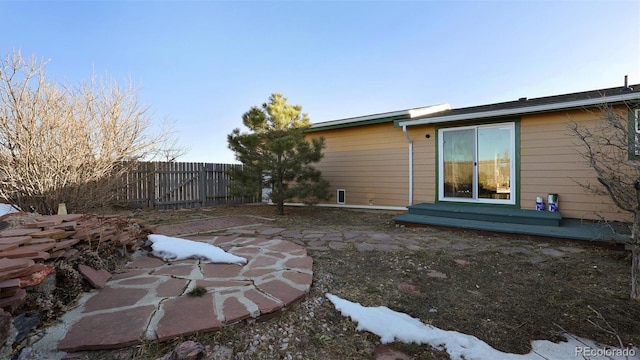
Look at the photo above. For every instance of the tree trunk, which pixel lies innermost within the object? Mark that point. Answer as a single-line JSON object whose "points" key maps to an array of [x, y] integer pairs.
{"points": [[280, 186], [635, 267], [635, 245]]}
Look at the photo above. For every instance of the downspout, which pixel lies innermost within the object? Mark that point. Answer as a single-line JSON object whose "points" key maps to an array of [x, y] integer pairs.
{"points": [[406, 135]]}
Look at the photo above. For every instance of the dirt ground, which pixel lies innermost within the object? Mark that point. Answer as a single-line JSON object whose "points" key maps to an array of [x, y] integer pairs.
{"points": [[502, 298]]}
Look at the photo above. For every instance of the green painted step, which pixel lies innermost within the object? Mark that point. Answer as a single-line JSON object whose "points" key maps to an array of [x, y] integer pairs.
{"points": [[487, 213], [569, 229]]}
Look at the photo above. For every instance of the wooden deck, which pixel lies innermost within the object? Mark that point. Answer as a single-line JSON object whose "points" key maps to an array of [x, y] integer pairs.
{"points": [[512, 221]]}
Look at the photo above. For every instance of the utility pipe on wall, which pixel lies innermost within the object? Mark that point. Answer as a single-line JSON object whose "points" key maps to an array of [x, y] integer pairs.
{"points": [[406, 135]]}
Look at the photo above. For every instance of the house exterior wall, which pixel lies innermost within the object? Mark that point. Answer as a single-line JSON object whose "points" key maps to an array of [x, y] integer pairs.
{"points": [[371, 163], [424, 163], [550, 162]]}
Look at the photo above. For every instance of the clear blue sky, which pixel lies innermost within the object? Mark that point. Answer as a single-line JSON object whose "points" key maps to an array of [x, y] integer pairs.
{"points": [[204, 63]]}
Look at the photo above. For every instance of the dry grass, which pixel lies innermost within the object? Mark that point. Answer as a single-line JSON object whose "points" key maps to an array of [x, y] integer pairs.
{"points": [[505, 298]]}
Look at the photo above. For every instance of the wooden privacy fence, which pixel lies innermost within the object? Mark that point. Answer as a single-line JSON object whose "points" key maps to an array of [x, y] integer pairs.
{"points": [[176, 185]]}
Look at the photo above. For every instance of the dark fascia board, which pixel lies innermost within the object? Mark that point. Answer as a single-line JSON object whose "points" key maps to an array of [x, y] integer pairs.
{"points": [[525, 106], [389, 117], [338, 125]]}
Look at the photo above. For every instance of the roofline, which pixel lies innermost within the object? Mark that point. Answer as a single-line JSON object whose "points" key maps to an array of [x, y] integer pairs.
{"points": [[361, 118], [522, 110], [377, 118]]}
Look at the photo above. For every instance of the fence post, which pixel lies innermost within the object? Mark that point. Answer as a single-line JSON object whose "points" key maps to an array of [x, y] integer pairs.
{"points": [[151, 172], [202, 184]]}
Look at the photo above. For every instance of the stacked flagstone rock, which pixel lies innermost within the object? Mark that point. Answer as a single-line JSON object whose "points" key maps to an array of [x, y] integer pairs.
{"points": [[28, 250]]}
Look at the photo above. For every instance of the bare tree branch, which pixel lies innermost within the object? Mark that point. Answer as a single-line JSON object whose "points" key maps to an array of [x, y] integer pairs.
{"points": [[609, 145], [64, 143]]}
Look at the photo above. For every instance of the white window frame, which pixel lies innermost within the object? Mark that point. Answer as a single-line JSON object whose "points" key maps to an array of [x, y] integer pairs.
{"points": [[637, 131], [513, 182]]}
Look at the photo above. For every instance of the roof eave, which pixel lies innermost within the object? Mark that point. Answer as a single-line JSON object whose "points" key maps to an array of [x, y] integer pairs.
{"points": [[394, 116], [522, 110], [359, 119]]}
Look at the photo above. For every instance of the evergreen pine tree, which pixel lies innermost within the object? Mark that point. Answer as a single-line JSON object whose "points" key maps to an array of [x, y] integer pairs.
{"points": [[277, 156]]}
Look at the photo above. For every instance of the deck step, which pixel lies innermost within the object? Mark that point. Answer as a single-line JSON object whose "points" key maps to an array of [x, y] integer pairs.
{"points": [[462, 212], [569, 229]]}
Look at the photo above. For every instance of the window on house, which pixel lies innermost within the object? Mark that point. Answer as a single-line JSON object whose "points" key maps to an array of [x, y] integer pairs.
{"points": [[637, 130], [477, 164]]}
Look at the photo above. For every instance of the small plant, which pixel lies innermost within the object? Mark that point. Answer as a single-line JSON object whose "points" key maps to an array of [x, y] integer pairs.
{"points": [[199, 290]]}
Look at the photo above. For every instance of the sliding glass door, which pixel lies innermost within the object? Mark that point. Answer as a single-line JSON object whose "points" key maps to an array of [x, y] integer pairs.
{"points": [[477, 164]]}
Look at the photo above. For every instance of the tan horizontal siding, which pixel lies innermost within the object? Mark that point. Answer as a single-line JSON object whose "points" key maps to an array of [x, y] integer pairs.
{"points": [[363, 138], [560, 158], [551, 162], [537, 150], [349, 156], [369, 162], [424, 163]]}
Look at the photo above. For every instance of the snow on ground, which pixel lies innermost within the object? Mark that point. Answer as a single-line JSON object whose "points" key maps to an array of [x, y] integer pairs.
{"points": [[395, 326], [7, 209], [171, 248]]}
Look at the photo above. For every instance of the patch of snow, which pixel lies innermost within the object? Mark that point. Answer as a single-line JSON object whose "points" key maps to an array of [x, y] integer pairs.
{"points": [[7, 209], [395, 326], [172, 248]]}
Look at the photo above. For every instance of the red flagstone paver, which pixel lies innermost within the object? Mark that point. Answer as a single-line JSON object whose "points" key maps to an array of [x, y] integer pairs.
{"points": [[282, 291], [9, 287], [139, 280], [175, 270], [108, 331], [274, 254], [186, 315], [129, 274], [111, 298], [298, 277], [234, 310], [19, 296], [263, 261], [17, 232], [271, 231], [247, 250], [288, 247], [221, 270], [14, 240], [300, 262], [41, 224], [265, 305], [65, 244], [97, 278], [257, 272], [7, 264], [291, 234], [22, 252], [200, 226], [217, 284], [36, 277], [146, 262], [51, 233], [172, 287]]}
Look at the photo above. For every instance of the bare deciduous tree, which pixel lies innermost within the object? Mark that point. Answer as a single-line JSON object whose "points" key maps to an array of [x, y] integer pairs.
{"points": [[609, 146], [65, 143]]}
